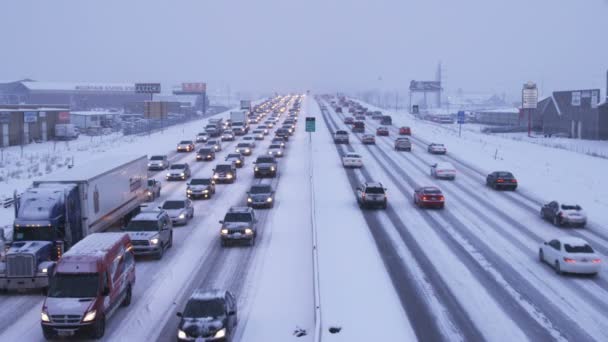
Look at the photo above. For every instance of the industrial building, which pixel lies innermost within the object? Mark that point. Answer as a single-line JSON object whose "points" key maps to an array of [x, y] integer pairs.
{"points": [[573, 113], [22, 124]]}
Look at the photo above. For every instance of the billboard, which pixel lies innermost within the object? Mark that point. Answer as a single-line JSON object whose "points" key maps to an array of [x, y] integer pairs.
{"points": [[529, 96], [194, 87], [147, 88], [30, 117], [425, 85], [155, 110], [64, 117]]}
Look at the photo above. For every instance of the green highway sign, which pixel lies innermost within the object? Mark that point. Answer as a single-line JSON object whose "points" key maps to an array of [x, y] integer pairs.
{"points": [[310, 124]]}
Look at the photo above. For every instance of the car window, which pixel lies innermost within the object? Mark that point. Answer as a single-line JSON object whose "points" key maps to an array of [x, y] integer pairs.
{"points": [[570, 207], [174, 205], [177, 166], [374, 190], [238, 217], [265, 160], [578, 249], [156, 158], [260, 189]]}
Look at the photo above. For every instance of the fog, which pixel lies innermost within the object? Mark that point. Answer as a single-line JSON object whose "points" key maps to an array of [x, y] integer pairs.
{"points": [[316, 44]]}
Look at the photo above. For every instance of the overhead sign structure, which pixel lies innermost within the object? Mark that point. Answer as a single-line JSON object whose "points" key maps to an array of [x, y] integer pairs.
{"points": [[310, 124], [30, 117], [147, 88], [194, 87], [529, 96]]}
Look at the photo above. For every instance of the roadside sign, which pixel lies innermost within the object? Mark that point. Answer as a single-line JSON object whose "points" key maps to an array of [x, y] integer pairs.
{"points": [[415, 109], [30, 117], [529, 95], [461, 117], [310, 124], [147, 88]]}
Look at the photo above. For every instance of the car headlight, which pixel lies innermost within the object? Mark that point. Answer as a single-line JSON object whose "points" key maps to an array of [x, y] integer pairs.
{"points": [[216, 176], [182, 174], [44, 270], [181, 334], [257, 168], [149, 193], [249, 200], [270, 152], [272, 168], [269, 199], [89, 316], [220, 333], [189, 191], [182, 216], [205, 191], [238, 161], [44, 317], [209, 156], [280, 153], [224, 231], [149, 164], [248, 231], [229, 176], [154, 241], [168, 175]]}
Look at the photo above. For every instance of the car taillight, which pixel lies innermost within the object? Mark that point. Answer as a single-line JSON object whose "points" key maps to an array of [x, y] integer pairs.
{"points": [[570, 261], [363, 197], [596, 261], [424, 198], [499, 180], [513, 180], [440, 198]]}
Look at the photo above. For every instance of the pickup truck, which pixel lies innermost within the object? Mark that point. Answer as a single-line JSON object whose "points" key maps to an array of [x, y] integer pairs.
{"points": [[341, 137]]}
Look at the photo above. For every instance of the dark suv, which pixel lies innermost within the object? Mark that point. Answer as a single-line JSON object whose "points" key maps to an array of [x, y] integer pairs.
{"points": [[151, 233], [371, 195], [205, 154], [225, 173], [260, 196], [265, 166], [209, 315], [239, 224]]}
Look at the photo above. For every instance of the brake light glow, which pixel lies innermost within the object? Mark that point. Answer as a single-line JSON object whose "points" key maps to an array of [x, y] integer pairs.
{"points": [[424, 198], [499, 180], [441, 198], [513, 180], [596, 261], [570, 261]]}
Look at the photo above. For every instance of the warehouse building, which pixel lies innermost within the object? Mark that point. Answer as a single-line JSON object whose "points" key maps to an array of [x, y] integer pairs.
{"points": [[500, 117], [573, 113], [22, 124]]}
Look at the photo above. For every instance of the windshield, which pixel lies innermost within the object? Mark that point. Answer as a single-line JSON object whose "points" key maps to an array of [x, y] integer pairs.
{"points": [[151, 182], [186, 142], [432, 191], [204, 308], [237, 124], [173, 205], [142, 226], [242, 145], [230, 156], [578, 249], [374, 190], [211, 142], [353, 156], [200, 181], [275, 146], [505, 175], [178, 166], [262, 160], [237, 217], [202, 134], [157, 158], [260, 189], [205, 151], [571, 207], [80, 285], [33, 234], [223, 168]]}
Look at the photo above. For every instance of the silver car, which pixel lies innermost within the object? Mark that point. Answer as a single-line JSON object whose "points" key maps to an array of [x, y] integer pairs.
{"points": [[180, 210]]}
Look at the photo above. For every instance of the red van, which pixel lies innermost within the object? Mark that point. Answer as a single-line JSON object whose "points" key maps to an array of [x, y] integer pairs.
{"points": [[89, 283]]}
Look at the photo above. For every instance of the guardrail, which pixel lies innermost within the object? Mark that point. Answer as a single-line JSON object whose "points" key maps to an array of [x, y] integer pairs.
{"points": [[315, 256], [8, 202]]}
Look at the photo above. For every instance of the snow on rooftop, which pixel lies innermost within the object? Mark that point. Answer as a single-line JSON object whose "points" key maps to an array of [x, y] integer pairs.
{"points": [[93, 112], [204, 294], [94, 244], [500, 110], [102, 165], [573, 241], [80, 86]]}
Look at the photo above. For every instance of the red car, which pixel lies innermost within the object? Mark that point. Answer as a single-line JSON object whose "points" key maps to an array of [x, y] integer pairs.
{"points": [[382, 131], [429, 196], [405, 131]]}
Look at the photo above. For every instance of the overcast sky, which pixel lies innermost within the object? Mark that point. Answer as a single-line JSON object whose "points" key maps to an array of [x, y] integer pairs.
{"points": [[484, 45]]}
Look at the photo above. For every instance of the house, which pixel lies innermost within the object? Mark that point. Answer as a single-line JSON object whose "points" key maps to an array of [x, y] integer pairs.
{"points": [[573, 113]]}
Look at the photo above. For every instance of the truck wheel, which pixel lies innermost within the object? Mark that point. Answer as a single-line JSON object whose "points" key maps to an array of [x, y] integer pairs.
{"points": [[48, 333], [170, 244], [100, 328], [127, 300]]}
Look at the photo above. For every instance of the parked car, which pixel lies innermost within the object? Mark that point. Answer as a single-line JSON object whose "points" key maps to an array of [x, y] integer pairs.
{"points": [[151, 233], [205, 154], [209, 315], [501, 180], [216, 145], [429, 196], [570, 255], [371, 194], [562, 214], [403, 144], [265, 166], [158, 162], [275, 150], [227, 135], [404, 130], [368, 139], [202, 137], [180, 210], [260, 196], [443, 170], [225, 173], [353, 160], [382, 131], [244, 148], [237, 158], [239, 224], [178, 172], [435, 148], [80, 295], [200, 188], [152, 189], [185, 146]]}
